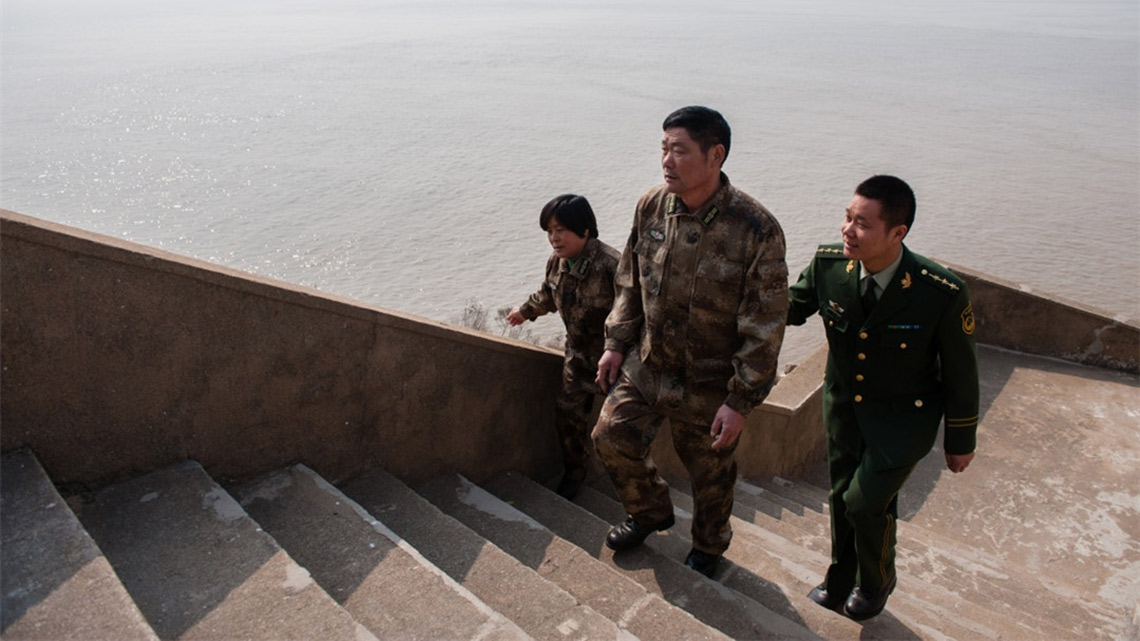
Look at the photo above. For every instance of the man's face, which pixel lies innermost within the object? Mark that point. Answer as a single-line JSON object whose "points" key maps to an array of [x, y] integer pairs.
{"points": [[866, 236], [685, 166], [566, 243]]}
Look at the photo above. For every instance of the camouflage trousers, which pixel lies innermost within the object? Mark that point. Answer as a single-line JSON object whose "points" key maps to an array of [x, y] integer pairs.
{"points": [[572, 411], [623, 437]]}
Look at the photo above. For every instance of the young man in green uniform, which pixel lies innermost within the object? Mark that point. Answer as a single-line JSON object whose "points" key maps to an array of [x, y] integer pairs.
{"points": [[579, 285], [900, 333], [693, 337]]}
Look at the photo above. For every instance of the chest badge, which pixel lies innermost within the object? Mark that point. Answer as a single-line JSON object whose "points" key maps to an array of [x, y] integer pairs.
{"points": [[656, 234]]}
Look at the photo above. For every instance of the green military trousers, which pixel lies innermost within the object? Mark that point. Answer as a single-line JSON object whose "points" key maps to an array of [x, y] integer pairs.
{"points": [[864, 507], [623, 438]]}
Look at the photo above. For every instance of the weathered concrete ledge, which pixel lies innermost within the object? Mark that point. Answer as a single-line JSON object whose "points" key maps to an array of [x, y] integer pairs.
{"points": [[1013, 317], [119, 359]]}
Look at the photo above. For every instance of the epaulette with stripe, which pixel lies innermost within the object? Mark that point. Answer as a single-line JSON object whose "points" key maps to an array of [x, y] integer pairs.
{"points": [[942, 278], [831, 250]]}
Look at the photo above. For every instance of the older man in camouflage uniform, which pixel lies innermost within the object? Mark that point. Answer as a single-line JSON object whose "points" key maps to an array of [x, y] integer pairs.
{"points": [[693, 337]]}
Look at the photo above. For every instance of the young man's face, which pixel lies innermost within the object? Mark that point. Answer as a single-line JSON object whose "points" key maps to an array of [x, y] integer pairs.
{"points": [[565, 242], [866, 236], [687, 169]]}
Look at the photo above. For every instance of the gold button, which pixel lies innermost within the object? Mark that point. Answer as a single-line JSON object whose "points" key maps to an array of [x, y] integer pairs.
{"points": [[859, 377], [918, 403], [903, 346], [863, 335], [862, 356], [858, 398], [831, 323]]}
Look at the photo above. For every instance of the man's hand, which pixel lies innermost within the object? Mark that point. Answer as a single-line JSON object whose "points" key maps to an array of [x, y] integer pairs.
{"points": [[958, 462], [609, 365], [726, 427], [515, 317]]}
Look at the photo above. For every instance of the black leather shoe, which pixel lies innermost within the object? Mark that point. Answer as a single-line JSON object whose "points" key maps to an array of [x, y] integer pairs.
{"points": [[832, 600], [702, 562], [864, 604], [631, 534]]}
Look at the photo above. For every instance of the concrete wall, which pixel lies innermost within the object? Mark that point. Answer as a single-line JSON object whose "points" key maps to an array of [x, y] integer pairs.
{"points": [[1011, 316], [117, 359]]}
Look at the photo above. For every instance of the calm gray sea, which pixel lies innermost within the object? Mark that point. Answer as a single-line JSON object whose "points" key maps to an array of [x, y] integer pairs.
{"points": [[398, 153]]}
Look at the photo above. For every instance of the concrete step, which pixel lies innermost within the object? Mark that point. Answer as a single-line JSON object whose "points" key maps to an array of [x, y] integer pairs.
{"points": [[55, 582], [594, 583], [710, 602], [915, 608], [199, 568], [958, 573], [1052, 492], [381, 580], [796, 493], [541, 608], [1053, 521], [777, 572]]}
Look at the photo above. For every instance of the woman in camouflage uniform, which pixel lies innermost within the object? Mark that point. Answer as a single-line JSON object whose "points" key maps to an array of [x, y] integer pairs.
{"points": [[579, 284]]}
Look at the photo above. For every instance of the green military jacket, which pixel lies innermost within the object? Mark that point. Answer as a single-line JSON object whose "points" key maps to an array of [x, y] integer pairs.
{"points": [[896, 373]]}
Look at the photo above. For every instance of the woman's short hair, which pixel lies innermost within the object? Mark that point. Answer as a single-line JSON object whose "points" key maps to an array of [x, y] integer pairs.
{"points": [[573, 212]]}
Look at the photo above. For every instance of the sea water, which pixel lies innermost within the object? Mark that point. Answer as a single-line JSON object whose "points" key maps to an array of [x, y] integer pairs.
{"points": [[398, 153]]}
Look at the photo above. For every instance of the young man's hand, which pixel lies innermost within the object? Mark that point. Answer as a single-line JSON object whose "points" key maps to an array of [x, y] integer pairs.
{"points": [[515, 317], [958, 462]]}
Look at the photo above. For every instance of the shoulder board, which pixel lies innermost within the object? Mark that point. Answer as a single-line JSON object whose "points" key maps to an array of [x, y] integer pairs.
{"points": [[940, 278], [834, 250]]}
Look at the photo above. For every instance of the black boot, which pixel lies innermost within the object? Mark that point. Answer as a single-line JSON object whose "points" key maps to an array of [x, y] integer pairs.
{"points": [[865, 604], [631, 534]]}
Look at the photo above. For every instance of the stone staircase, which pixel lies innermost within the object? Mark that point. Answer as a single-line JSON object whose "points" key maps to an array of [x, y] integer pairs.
{"points": [[174, 555]]}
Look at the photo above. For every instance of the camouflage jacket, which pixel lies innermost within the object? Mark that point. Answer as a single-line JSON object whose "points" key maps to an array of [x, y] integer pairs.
{"points": [[583, 295], [703, 296]]}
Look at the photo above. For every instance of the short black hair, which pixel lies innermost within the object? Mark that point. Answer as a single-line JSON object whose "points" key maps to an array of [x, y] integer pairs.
{"points": [[895, 196], [706, 126], [573, 212]]}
